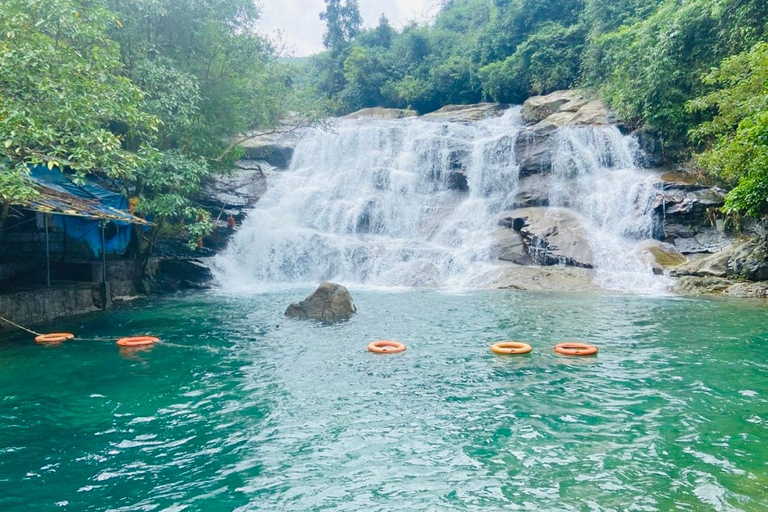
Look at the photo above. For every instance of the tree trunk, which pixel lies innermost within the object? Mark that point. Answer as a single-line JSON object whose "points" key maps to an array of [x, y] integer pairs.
{"points": [[151, 248], [6, 209]]}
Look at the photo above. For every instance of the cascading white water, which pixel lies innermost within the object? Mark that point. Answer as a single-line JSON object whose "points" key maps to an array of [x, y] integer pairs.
{"points": [[594, 172], [413, 202]]}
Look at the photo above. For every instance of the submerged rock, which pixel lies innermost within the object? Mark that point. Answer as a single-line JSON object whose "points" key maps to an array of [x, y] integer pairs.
{"points": [[330, 302]]}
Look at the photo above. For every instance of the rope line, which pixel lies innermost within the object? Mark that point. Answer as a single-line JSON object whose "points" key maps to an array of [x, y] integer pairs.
{"points": [[19, 326]]}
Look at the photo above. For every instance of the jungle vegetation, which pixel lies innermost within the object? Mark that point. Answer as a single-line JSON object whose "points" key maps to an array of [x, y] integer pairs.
{"points": [[147, 92], [695, 72], [152, 91]]}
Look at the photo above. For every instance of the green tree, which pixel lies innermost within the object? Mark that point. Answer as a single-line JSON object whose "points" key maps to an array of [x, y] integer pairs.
{"points": [[737, 132], [208, 76], [342, 22], [62, 92]]}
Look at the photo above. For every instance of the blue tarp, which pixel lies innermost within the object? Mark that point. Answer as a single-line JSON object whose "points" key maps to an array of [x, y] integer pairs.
{"points": [[83, 228]]}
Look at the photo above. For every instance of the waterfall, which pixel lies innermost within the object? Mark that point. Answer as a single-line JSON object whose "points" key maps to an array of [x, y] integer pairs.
{"points": [[415, 202]]}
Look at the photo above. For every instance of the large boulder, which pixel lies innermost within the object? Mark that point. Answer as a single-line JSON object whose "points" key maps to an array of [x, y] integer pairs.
{"points": [[743, 260], [705, 265], [567, 108], [661, 256], [381, 113], [276, 147], [552, 236], [750, 261], [466, 113], [330, 302]]}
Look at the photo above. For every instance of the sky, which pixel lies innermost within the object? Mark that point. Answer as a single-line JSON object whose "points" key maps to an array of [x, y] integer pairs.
{"points": [[302, 29]]}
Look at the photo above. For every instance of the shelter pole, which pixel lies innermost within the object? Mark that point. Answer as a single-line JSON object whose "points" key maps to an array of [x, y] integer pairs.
{"points": [[47, 252], [105, 286]]}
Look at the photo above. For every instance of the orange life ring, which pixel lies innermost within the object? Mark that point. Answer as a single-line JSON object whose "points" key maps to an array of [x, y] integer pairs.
{"points": [[576, 349], [511, 348], [137, 341], [54, 337], [386, 347]]}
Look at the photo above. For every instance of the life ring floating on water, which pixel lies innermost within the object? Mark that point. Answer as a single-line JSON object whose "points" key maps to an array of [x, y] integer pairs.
{"points": [[137, 341], [576, 349], [386, 347], [511, 348], [54, 337]]}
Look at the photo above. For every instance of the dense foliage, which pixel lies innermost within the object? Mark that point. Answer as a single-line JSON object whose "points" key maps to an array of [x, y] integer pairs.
{"points": [[146, 91], [649, 59]]}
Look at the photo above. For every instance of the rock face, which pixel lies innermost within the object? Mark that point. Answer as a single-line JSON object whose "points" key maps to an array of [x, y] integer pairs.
{"points": [[182, 274], [745, 260], [551, 236], [536, 145], [511, 247], [238, 191], [466, 113], [535, 148], [682, 207], [564, 108], [381, 113], [532, 191], [274, 148], [330, 302]]}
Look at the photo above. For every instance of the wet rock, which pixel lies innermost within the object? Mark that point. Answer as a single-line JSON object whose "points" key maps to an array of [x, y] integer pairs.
{"points": [[705, 265], [466, 113], [683, 208], [662, 256], [381, 113], [535, 148], [511, 247], [274, 154], [457, 180], [567, 108], [701, 240], [330, 302], [181, 274], [749, 261], [275, 148], [241, 189], [747, 290], [561, 279], [552, 236], [532, 191], [652, 152]]}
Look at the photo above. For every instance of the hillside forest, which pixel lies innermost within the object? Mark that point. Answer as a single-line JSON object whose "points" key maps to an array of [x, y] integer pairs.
{"points": [[153, 93]]}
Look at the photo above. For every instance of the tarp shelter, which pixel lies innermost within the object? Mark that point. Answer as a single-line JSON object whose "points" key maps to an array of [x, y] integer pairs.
{"points": [[81, 210]]}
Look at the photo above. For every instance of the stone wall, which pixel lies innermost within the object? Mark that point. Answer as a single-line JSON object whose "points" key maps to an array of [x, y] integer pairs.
{"points": [[36, 306]]}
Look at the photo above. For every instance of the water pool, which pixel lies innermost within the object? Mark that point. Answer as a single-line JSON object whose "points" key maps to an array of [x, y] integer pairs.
{"points": [[241, 409]]}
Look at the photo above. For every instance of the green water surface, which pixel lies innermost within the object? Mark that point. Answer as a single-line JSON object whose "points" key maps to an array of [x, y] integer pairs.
{"points": [[241, 409]]}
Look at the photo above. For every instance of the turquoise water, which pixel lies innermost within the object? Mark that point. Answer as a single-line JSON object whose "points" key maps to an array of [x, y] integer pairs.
{"points": [[241, 409]]}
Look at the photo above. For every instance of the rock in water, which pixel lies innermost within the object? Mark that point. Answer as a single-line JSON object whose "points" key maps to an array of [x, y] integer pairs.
{"points": [[330, 302]]}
